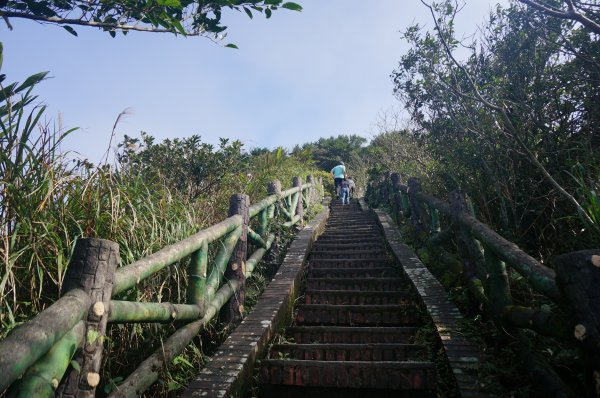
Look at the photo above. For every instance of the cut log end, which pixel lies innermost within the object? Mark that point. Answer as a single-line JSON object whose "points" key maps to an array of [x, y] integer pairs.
{"points": [[93, 379], [98, 309], [580, 332], [595, 260]]}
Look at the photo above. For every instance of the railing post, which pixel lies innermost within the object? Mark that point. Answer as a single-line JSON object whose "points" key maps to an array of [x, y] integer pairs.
{"points": [[310, 197], [469, 248], [396, 201], [578, 277], [297, 182], [92, 268], [274, 188], [233, 311], [418, 213]]}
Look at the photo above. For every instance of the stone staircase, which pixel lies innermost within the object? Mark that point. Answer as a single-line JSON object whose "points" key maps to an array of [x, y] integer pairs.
{"points": [[355, 325]]}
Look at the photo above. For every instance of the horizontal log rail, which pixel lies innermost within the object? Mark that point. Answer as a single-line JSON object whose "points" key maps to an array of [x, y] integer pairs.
{"points": [[569, 293], [39, 352]]}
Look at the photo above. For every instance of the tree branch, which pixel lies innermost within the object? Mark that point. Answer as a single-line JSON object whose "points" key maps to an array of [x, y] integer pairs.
{"points": [[572, 14], [103, 25]]}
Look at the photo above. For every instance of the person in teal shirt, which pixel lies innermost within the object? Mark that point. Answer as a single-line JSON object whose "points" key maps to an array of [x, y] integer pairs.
{"points": [[338, 173]]}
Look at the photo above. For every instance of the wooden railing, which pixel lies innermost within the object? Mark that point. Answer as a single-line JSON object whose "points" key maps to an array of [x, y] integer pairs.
{"points": [[567, 306], [59, 352]]}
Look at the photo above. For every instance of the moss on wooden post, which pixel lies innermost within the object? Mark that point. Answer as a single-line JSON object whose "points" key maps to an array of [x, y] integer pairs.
{"points": [[91, 268], [297, 182], [470, 249], [418, 214], [196, 291], [274, 188], [578, 278], [233, 311]]}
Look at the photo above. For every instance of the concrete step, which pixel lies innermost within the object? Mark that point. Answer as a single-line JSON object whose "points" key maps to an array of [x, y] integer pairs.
{"points": [[365, 253], [353, 297], [358, 284], [323, 246], [358, 315], [350, 262], [350, 352], [369, 272], [353, 335], [377, 375], [348, 240]]}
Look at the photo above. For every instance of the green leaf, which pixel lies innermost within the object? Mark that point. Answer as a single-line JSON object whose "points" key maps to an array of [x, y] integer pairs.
{"points": [[1, 50], [248, 12], [76, 366], [92, 336], [70, 30], [169, 3], [31, 81], [292, 6], [112, 33], [231, 45], [268, 13]]}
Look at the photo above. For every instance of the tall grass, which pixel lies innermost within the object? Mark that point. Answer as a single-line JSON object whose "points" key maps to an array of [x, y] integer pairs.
{"points": [[48, 200]]}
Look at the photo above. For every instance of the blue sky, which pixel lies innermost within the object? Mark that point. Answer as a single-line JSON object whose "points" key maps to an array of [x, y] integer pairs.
{"points": [[296, 76]]}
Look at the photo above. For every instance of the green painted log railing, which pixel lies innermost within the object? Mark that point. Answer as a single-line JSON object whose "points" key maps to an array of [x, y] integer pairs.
{"points": [[35, 356], [482, 263]]}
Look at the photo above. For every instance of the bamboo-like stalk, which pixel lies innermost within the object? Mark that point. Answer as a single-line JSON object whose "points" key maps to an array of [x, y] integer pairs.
{"points": [[545, 322], [255, 238], [292, 222], [26, 344], [263, 204], [42, 378], [130, 275], [258, 255], [197, 276], [220, 263], [263, 222], [136, 312], [149, 370]]}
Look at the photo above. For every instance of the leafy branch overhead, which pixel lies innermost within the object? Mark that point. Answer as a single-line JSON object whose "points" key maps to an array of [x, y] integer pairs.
{"points": [[185, 17]]}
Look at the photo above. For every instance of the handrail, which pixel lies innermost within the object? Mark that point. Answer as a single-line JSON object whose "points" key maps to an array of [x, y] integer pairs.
{"points": [[46, 344], [481, 265], [538, 275], [19, 351]]}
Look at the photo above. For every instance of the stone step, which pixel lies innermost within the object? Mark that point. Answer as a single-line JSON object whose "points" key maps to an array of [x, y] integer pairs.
{"points": [[360, 284], [339, 297], [350, 263], [324, 246], [351, 335], [349, 254], [350, 352], [347, 240], [358, 315], [355, 272], [378, 375]]}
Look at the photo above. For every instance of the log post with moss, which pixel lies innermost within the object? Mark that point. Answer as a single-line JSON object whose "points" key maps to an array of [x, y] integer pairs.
{"points": [[419, 217], [578, 278], [274, 188], [233, 311], [297, 182], [92, 268]]}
